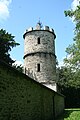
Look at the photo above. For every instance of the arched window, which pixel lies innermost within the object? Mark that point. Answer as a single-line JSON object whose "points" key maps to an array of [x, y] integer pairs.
{"points": [[38, 40]]}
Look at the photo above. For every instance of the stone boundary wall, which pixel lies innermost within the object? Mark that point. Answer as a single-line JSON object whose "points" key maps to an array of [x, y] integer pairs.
{"points": [[22, 98]]}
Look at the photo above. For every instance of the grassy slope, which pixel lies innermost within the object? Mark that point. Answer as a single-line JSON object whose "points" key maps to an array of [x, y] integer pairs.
{"points": [[70, 114]]}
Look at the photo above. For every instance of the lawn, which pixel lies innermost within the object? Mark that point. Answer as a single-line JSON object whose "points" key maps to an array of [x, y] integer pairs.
{"points": [[70, 114]]}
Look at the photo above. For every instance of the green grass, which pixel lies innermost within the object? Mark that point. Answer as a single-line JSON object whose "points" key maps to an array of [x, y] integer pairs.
{"points": [[70, 114]]}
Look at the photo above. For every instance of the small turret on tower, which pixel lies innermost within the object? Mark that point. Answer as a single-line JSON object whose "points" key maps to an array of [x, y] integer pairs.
{"points": [[39, 25]]}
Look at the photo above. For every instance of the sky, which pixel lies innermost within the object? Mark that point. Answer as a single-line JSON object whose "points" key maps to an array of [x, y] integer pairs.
{"points": [[18, 15]]}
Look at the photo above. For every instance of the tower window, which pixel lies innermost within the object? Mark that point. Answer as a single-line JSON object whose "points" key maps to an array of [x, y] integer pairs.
{"points": [[38, 40], [38, 67], [25, 70]]}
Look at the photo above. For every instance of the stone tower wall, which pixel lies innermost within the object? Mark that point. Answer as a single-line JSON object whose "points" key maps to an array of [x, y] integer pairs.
{"points": [[47, 66], [42, 53], [46, 42]]}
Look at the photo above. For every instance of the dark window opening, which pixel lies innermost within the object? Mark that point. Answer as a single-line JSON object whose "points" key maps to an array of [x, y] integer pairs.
{"points": [[38, 67], [38, 40], [25, 71]]}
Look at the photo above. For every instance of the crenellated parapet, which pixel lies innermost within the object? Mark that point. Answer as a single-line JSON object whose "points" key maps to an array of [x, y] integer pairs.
{"points": [[46, 28]]}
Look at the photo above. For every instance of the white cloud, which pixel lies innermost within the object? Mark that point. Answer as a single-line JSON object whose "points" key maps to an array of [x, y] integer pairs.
{"points": [[18, 63], [4, 9], [61, 63], [74, 4]]}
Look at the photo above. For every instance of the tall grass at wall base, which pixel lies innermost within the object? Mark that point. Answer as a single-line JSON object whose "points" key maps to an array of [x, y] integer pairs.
{"points": [[70, 114]]}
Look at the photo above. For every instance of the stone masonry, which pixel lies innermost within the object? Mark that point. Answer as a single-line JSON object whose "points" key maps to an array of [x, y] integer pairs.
{"points": [[22, 98], [39, 55]]}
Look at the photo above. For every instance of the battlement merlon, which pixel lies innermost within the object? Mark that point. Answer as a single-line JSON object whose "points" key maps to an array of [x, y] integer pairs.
{"points": [[46, 28]]}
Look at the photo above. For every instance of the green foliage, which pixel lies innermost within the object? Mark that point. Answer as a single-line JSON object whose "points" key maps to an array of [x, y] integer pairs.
{"points": [[68, 77], [69, 86], [70, 114], [18, 67], [64, 76], [7, 42], [73, 50], [72, 96]]}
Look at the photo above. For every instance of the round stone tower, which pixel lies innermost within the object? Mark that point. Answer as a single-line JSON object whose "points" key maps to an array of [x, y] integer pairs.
{"points": [[39, 55]]}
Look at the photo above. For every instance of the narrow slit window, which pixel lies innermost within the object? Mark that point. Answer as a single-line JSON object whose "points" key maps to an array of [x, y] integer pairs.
{"points": [[38, 67], [38, 40], [25, 71]]}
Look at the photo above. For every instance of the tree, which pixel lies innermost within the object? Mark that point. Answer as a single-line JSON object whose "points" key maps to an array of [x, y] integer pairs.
{"points": [[69, 86], [69, 75], [73, 50], [7, 42], [18, 67]]}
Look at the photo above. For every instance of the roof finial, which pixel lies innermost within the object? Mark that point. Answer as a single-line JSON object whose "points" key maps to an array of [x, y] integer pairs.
{"points": [[40, 24]]}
